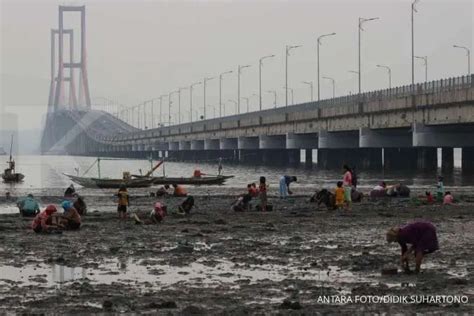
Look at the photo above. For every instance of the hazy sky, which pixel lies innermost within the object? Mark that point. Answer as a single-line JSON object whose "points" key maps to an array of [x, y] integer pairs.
{"points": [[138, 50]]}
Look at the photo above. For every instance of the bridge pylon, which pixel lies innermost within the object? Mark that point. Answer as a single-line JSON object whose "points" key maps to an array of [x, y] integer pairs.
{"points": [[57, 92]]}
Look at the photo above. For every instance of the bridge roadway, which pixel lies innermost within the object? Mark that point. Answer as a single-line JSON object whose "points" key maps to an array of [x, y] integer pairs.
{"points": [[399, 128]]}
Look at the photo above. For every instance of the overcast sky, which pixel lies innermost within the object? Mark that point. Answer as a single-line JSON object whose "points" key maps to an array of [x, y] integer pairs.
{"points": [[138, 50]]}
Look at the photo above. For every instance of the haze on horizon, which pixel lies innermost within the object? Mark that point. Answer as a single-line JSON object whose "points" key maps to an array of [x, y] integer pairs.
{"points": [[138, 50]]}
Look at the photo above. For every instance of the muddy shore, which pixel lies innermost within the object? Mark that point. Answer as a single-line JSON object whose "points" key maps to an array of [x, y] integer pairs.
{"points": [[220, 262]]}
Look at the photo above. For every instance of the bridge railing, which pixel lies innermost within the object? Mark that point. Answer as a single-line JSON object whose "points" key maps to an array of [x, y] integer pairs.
{"points": [[430, 87]]}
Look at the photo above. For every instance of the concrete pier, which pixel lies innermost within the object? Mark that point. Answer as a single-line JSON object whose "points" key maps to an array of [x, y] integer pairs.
{"points": [[447, 159], [427, 158], [294, 156], [368, 158], [308, 157], [400, 158], [468, 159]]}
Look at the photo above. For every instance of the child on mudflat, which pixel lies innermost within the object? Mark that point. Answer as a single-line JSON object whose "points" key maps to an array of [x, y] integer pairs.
{"points": [[339, 195], [123, 202]]}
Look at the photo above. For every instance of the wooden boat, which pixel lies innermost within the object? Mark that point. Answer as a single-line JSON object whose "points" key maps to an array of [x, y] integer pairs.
{"points": [[9, 175], [108, 183], [214, 180], [210, 180], [105, 183]]}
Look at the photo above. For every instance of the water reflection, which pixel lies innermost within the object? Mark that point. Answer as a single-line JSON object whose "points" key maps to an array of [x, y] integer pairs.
{"points": [[45, 174], [62, 274]]}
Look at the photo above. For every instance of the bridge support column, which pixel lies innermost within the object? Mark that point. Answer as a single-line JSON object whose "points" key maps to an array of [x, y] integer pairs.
{"points": [[330, 158], [228, 144], [468, 159], [197, 145], [308, 154], [447, 159], [301, 141], [427, 158], [400, 158], [294, 156], [274, 156], [250, 156], [360, 158], [211, 144], [368, 158], [336, 140], [272, 142], [184, 145]]}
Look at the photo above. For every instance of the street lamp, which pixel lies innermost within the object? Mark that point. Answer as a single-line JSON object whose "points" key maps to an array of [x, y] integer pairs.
{"points": [[247, 99], [169, 106], [361, 22], [205, 81], [425, 62], [236, 104], [274, 97], [389, 74], [413, 10], [260, 64], [179, 103], [220, 90], [191, 100], [292, 94], [288, 49], [354, 72], [161, 103], [255, 95], [310, 84], [318, 44], [213, 107], [333, 86], [239, 70], [468, 51]]}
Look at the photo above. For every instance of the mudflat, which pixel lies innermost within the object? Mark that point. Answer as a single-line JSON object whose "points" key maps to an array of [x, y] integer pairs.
{"points": [[216, 261]]}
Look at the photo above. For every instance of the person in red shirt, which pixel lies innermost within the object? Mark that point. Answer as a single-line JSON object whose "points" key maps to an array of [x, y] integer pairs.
{"points": [[45, 221], [429, 197], [197, 173], [252, 190]]}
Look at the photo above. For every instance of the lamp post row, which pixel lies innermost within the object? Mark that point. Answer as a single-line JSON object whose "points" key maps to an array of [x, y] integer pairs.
{"points": [[288, 50]]}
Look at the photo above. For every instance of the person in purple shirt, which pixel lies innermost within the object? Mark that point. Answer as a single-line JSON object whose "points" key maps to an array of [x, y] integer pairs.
{"points": [[422, 238]]}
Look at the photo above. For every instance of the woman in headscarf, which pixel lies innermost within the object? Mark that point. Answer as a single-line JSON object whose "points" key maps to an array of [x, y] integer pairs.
{"points": [[422, 238]]}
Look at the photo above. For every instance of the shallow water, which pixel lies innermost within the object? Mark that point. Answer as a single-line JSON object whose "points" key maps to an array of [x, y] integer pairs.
{"points": [[156, 274], [44, 175]]}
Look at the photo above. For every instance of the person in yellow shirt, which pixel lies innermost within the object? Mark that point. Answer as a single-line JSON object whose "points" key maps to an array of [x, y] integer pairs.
{"points": [[339, 195], [123, 202]]}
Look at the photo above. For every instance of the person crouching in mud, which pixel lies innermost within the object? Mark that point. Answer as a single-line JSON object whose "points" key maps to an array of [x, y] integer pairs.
{"points": [[422, 238], [186, 207], [46, 221], [157, 215], [285, 182], [71, 218]]}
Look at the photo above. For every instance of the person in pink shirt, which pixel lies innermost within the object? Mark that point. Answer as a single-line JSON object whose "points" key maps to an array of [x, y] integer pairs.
{"points": [[448, 198], [347, 183]]}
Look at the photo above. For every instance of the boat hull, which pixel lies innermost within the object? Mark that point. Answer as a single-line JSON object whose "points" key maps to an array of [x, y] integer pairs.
{"points": [[110, 183], [11, 178], [218, 180]]}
